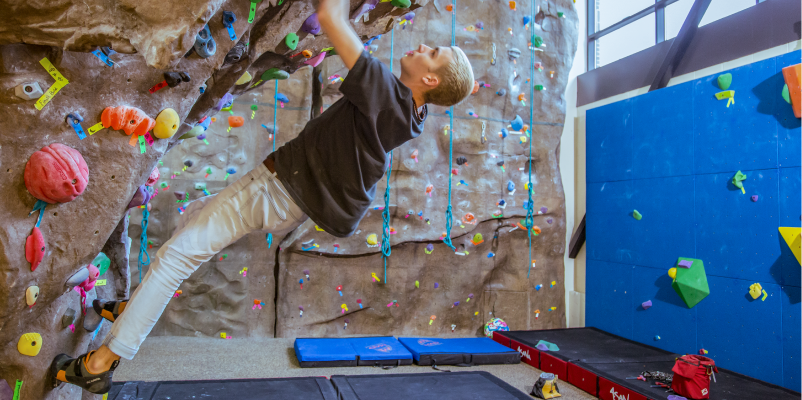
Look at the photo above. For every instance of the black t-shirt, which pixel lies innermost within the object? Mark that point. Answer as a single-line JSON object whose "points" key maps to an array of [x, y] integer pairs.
{"points": [[332, 167]]}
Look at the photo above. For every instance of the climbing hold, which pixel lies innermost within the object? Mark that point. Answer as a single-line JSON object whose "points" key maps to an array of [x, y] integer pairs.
{"points": [[793, 75], [538, 287], [173, 79], [527, 20], [205, 45], [513, 53], [754, 198], [646, 304], [724, 81], [56, 174], [245, 78], [432, 318], [68, 318], [512, 5], [302, 310], [539, 87], [429, 190], [339, 289], [501, 92], [477, 239], [30, 344], [307, 53], [429, 248], [274, 73], [517, 124], [417, 284], [510, 187], [636, 215], [31, 294], [141, 197], [792, 237], [691, 283], [469, 218], [785, 94], [456, 303], [235, 121], [504, 133], [475, 87], [462, 160], [727, 94], [166, 124], [291, 40], [449, 8], [311, 25], [359, 301], [228, 21], [436, 285], [316, 60], [282, 98], [755, 290], [372, 239], [130, 119], [656, 337], [400, 3], [537, 41], [28, 91], [35, 248], [738, 179], [491, 254]]}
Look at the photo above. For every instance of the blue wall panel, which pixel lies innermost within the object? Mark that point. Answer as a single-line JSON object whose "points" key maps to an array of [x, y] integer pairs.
{"points": [[609, 222], [737, 237], [662, 132], [788, 125], [790, 204], [742, 334], [611, 309], [666, 230], [742, 136], [671, 154], [609, 150], [791, 337], [668, 317]]}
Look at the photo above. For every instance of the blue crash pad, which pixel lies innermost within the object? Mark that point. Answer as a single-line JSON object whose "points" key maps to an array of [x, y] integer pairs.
{"points": [[319, 352], [427, 351]]}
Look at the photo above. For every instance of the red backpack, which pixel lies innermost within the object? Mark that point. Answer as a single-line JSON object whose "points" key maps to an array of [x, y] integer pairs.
{"points": [[692, 375]]}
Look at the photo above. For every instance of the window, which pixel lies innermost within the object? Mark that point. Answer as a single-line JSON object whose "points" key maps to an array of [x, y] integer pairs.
{"points": [[619, 28]]}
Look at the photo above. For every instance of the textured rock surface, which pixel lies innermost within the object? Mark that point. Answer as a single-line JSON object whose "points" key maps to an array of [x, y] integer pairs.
{"points": [[499, 284], [149, 35]]}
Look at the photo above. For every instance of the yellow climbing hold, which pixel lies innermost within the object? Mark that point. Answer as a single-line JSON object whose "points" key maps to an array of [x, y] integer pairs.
{"points": [[755, 290], [793, 237], [317, 228], [245, 78], [672, 273], [166, 124], [372, 239], [30, 344]]}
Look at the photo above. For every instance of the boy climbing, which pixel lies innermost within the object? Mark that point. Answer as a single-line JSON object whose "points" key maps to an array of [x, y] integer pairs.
{"points": [[328, 173]]}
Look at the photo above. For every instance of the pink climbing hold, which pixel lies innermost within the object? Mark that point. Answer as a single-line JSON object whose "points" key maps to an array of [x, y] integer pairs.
{"points": [[646, 304], [154, 177], [316, 60]]}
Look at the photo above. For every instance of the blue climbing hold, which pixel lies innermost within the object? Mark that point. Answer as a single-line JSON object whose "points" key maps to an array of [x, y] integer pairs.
{"points": [[510, 186], [231, 170], [527, 20], [517, 124], [504, 133], [282, 98]]}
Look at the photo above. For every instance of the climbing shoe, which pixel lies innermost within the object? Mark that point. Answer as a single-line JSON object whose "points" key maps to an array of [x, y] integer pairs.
{"points": [[73, 370], [110, 310]]}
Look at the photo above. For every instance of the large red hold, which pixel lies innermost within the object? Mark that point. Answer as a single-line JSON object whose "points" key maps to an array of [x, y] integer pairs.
{"points": [[35, 248], [56, 174]]}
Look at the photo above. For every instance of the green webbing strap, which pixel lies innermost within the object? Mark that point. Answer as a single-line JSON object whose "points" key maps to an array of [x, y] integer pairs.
{"points": [[449, 215], [529, 214], [386, 250]]}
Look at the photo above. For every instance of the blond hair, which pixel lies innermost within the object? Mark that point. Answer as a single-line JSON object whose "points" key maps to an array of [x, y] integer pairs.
{"points": [[456, 81]]}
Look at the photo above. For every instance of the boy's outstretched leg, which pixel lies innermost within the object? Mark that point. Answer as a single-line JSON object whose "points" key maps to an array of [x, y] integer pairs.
{"points": [[257, 201]]}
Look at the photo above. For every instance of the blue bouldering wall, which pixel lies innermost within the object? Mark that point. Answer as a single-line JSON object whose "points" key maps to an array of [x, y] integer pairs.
{"points": [[671, 154]]}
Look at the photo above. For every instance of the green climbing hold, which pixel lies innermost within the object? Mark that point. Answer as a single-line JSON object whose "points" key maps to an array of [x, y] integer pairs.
{"points": [[537, 41], [195, 131], [102, 262], [538, 87], [253, 107], [690, 283], [401, 3], [636, 215], [724, 81], [738, 179], [560, 14], [291, 40], [274, 73], [786, 95]]}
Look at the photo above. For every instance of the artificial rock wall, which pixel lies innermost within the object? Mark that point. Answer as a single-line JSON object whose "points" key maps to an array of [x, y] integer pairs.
{"points": [[151, 38], [219, 298]]}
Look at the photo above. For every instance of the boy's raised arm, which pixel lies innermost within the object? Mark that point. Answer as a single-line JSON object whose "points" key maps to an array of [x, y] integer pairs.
{"points": [[333, 18]]}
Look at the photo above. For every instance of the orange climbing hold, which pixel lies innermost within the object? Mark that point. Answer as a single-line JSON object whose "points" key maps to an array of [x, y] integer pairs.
{"points": [[475, 87], [449, 8], [512, 5], [469, 218], [793, 80], [235, 121], [130, 119]]}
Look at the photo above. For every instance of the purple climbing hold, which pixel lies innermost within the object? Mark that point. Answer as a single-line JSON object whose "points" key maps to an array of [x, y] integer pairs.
{"points": [[180, 195], [543, 210], [646, 304], [201, 136], [686, 263], [226, 101], [409, 16], [549, 220], [365, 7], [141, 197], [436, 285], [542, 347], [456, 303], [311, 25], [480, 25], [754, 198], [429, 247], [675, 397], [470, 296]]}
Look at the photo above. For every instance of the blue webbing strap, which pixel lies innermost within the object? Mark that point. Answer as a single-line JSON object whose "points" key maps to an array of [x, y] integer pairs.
{"points": [[529, 214], [269, 237], [386, 250], [449, 215]]}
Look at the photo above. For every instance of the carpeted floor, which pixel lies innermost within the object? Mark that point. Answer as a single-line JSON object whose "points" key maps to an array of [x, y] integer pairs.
{"points": [[187, 358]]}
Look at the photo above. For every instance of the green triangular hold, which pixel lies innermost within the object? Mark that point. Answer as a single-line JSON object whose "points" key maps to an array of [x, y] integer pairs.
{"points": [[786, 95], [738, 179], [102, 262], [724, 81], [274, 73], [691, 283]]}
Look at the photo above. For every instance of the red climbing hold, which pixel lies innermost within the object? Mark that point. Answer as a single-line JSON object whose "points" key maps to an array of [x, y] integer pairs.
{"points": [[56, 174], [35, 248]]}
